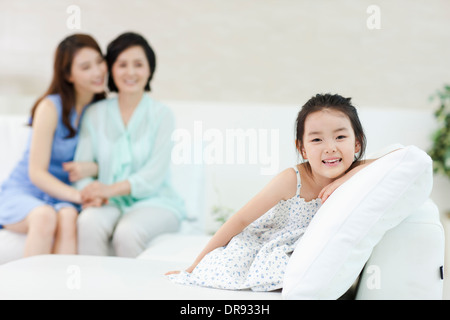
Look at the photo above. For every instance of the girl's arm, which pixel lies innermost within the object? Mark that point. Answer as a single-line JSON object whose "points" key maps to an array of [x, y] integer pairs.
{"points": [[326, 192], [329, 189], [100, 190], [85, 155], [84, 168], [44, 125], [282, 187], [78, 170]]}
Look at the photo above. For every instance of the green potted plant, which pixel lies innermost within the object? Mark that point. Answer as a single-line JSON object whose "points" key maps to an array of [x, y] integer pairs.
{"points": [[440, 150]]}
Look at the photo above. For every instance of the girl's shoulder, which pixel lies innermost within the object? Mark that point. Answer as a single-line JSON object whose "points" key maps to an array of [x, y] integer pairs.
{"points": [[50, 104], [46, 114], [54, 98], [288, 181]]}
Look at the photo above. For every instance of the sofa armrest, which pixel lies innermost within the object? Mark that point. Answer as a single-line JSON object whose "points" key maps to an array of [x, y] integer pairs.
{"points": [[408, 262]]}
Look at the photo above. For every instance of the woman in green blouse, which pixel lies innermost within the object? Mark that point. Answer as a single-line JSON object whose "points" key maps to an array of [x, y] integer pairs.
{"points": [[129, 137]]}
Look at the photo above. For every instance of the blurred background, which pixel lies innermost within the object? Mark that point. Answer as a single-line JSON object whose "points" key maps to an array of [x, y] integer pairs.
{"points": [[266, 51]]}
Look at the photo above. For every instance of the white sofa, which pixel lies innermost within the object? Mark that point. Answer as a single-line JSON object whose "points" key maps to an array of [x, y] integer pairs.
{"points": [[411, 255]]}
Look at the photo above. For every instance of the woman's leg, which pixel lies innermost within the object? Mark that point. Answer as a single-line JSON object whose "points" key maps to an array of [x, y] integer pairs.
{"points": [[40, 227], [139, 226], [66, 231], [95, 228]]}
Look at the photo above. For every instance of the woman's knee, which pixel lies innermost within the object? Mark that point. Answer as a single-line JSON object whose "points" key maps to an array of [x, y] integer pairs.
{"points": [[126, 241], [88, 219], [94, 218], [135, 230]]}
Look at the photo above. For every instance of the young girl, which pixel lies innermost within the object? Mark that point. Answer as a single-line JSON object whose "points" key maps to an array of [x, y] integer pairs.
{"points": [[252, 249], [37, 198]]}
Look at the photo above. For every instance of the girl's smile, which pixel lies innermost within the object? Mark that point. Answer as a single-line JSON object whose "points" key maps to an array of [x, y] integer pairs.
{"points": [[331, 162]]}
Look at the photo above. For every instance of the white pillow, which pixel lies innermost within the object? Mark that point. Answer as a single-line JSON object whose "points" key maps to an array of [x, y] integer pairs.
{"points": [[340, 238]]}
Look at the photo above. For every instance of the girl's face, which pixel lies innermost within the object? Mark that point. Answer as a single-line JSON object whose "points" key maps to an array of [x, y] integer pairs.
{"points": [[88, 71], [329, 143], [131, 70]]}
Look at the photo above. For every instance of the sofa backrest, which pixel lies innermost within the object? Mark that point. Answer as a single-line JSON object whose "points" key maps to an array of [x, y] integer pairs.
{"points": [[14, 133], [224, 153]]}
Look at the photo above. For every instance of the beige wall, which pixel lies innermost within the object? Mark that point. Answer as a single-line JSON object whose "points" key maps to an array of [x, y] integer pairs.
{"points": [[262, 51]]}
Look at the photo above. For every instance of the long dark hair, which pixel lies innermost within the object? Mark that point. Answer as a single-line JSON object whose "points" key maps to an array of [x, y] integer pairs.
{"points": [[334, 102], [60, 84]]}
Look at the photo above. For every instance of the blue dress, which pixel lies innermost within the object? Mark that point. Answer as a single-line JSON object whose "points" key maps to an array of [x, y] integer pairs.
{"points": [[18, 195]]}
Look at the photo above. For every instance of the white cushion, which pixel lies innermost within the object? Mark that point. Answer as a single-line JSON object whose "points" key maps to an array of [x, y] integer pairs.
{"points": [[14, 133], [179, 247], [12, 245], [342, 235]]}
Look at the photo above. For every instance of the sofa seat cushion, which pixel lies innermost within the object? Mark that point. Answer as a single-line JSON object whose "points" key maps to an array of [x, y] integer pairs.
{"points": [[91, 277]]}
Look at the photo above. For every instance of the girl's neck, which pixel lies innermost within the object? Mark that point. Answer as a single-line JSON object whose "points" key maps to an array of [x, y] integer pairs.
{"points": [[82, 100], [312, 184]]}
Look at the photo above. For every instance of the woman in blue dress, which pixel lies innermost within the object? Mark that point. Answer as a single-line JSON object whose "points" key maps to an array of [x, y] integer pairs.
{"points": [[37, 198]]}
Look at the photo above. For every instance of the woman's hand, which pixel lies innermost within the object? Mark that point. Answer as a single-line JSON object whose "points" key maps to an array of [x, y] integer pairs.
{"points": [[95, 194], [95, 190], [96, 202], [80, 170]]}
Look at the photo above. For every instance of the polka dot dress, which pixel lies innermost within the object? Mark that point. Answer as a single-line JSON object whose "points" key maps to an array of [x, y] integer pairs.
{"points": [[257, 257]]}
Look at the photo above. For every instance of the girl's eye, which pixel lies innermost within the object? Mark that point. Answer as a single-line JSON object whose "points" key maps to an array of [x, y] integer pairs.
{"points": [[341, 137], [315, 140]]}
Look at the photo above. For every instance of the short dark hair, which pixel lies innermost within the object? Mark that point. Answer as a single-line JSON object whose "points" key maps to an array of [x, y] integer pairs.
{"points": [[123, 42], [334, 102]]}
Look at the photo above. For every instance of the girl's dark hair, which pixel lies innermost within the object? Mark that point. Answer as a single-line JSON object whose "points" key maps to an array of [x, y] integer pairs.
{"points": [[123, 42], [65, 52], [334, 102]]}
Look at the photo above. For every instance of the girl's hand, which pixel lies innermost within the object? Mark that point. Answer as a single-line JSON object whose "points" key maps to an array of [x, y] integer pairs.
{"points": [[329, 189], [188, 270], [80, 170], [326, 192], [171, 272]]}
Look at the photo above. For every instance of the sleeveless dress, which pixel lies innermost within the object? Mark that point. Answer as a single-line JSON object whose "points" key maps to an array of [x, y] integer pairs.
{"points": [[18, 195], [257, 257]]}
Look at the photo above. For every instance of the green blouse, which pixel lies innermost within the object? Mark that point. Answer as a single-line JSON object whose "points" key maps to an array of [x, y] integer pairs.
{"points": [[139, 152]]}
